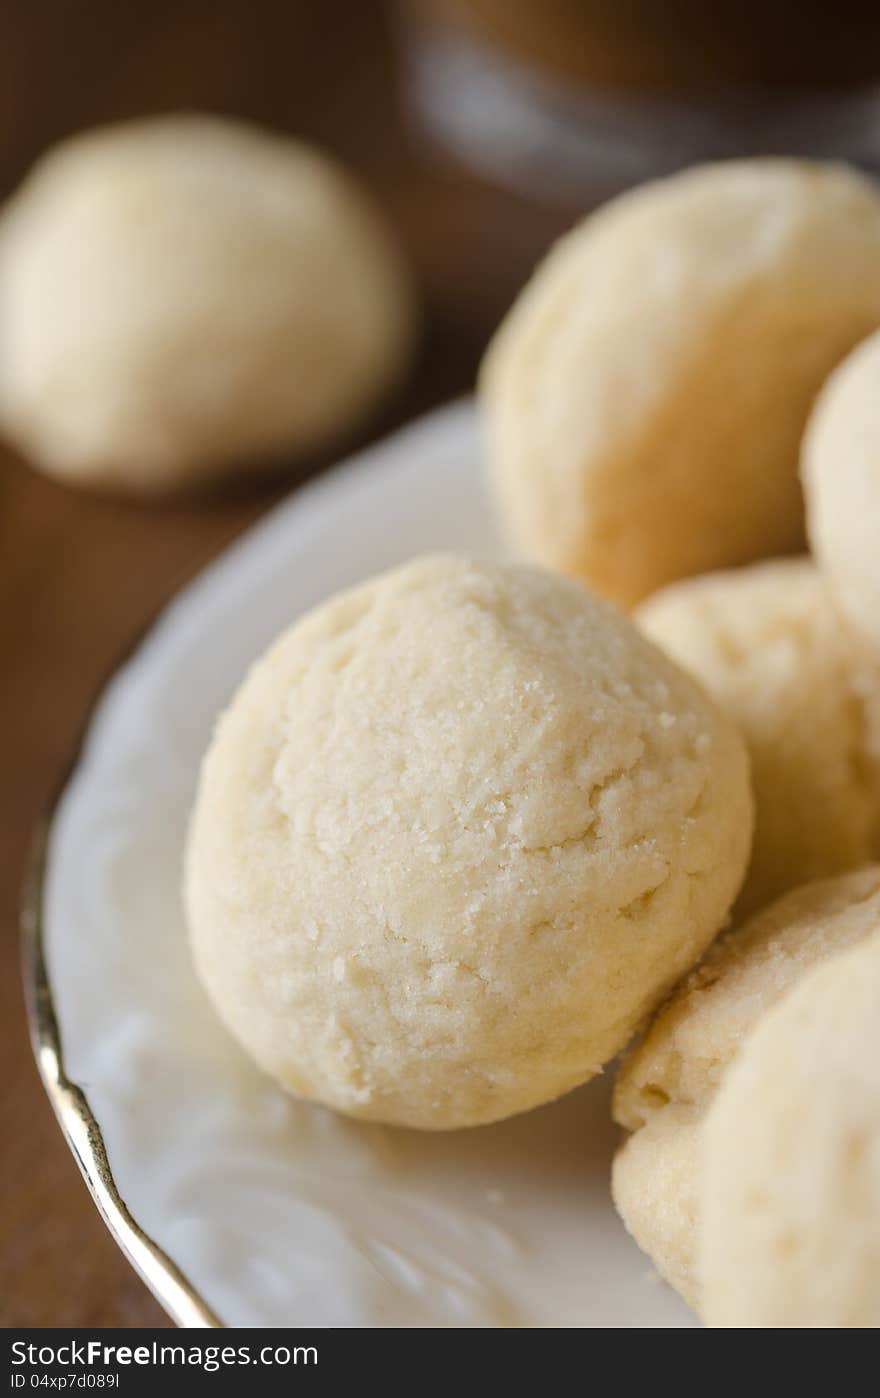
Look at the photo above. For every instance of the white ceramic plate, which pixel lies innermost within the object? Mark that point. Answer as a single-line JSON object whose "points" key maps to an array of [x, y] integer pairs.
{"points": [[242, 1202]]}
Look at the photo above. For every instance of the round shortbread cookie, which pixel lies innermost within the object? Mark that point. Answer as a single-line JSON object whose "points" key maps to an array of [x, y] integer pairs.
{"points": [[646, 396], [790, 1185], [768, 645], [458, 832], [669, 1081], [840, 465]]}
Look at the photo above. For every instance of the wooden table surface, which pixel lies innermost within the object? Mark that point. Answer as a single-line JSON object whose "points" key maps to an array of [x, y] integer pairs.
{"points": [[81, 576]]}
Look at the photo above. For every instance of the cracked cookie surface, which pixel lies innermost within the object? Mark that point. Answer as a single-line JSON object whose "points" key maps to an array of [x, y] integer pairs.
{"points": [[459, 831]]}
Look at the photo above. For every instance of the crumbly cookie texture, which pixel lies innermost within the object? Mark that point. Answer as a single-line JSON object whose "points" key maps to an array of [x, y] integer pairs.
{"points": [[841, 472], [646, 396], [668, 1083], [181, 296], [768, 644], [457, 834], [790, 1189]]}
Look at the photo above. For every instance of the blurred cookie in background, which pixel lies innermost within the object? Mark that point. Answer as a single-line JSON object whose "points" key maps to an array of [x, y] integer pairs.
{"points": [[185, 296]]}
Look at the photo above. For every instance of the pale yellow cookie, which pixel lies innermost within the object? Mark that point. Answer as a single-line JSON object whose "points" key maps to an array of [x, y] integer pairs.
{"points": [[646, 396], [841, 473], [668, 1083], [458, 832], [790, 1184], [769, 646], [184, 295]]}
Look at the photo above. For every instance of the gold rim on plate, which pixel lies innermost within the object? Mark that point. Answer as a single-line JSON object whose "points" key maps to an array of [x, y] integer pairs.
{"points": [[163, 1277]]}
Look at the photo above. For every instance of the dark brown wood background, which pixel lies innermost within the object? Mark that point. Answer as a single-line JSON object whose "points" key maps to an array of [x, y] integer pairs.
{"points": [[80, 576]]}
